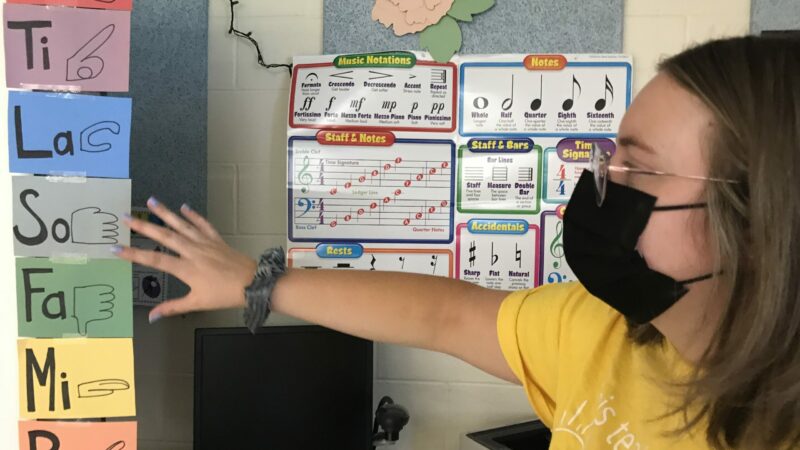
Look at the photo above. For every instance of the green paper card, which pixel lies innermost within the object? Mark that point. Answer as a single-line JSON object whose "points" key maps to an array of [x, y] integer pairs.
{"points": [[74, 300]]}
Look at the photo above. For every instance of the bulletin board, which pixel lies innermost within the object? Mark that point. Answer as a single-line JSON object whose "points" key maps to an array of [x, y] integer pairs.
{"points": [[169, 80], [511, 26], [774, 15]]}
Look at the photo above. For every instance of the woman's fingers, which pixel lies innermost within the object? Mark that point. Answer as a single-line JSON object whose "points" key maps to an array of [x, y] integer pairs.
{"points": [[173, 220], [172, 308], [201, 223], [158, 260], [164, 236]]}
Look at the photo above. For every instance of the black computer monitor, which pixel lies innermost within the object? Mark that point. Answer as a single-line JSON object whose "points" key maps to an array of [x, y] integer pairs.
{"points": [[303, 387]]}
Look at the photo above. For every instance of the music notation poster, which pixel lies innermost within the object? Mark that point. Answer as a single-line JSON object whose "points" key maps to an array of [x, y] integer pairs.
{"points": [[462, 170]]}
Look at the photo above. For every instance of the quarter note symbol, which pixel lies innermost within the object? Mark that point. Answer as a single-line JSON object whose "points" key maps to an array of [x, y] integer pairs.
{"points": [[609, 89], [537, 102], [509, 102], [472, 248], [570, 102]]}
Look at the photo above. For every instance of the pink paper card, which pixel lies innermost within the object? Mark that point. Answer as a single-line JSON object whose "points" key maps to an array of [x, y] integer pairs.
{"points": [[67, 49], [124, 5], [38, 435]]}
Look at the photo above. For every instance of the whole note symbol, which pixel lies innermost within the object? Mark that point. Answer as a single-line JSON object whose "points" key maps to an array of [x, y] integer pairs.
{"points": [[570, 102], [537, 102], [304, 176], [472, 248], [509, 102], [603, 102], [557, 246]]}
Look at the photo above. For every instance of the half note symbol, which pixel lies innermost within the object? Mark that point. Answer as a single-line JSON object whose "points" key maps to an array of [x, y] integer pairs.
{"points": [[570, 102], [495, 256], [372, 263], [472, 248], [518, 255], [434, 260], [609, 89], [402, 262], [537, 102], [509, 102]]}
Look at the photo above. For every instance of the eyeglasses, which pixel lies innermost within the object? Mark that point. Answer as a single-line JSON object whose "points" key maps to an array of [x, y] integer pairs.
{"points": [[600, 165]]}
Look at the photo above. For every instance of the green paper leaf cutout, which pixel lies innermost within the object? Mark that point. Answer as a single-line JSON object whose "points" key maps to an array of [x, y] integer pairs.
{"points": [[463, 10], [442, 40]]}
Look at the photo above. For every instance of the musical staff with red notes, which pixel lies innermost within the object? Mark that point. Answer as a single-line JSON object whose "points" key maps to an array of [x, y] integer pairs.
{"points": [[371, 194]]}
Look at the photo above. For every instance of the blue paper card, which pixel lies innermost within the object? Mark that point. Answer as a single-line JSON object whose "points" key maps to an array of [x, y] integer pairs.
{"points": [[67, 133]]}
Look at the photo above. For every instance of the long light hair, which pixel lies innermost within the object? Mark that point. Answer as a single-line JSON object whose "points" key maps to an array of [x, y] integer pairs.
{"points": [[747, 384]]}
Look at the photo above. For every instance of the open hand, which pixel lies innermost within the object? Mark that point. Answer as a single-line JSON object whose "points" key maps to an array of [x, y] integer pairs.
{"points": [[215, 273]]}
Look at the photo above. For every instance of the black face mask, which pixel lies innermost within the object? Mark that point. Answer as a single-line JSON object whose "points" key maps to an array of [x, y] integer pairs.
{"points": [[600, 247]]}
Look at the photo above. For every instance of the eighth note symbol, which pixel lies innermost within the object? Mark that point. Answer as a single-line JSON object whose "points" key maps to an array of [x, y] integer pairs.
{"points": [[609, 89], [509, 102], [472, 248], [570, 102], [434, 260]]}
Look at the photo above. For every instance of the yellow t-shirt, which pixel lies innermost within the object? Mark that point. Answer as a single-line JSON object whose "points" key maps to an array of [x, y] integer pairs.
{"points": [[593, 387]]}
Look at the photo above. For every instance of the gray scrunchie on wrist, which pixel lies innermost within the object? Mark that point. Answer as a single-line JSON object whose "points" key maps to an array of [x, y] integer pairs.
{"points": [[258, 301]]}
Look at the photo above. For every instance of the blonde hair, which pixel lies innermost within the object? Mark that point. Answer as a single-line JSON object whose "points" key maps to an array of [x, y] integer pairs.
{"points": [[747, 386]]}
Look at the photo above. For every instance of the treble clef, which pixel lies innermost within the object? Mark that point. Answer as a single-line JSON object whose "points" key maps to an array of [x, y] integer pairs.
{"points": [[305, 177], [557, 246]]}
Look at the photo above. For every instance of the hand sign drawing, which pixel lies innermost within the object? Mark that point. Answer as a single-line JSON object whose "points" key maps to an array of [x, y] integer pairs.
{"points": [[102, 388], [93, 226], [92, 304], [84, 65]]}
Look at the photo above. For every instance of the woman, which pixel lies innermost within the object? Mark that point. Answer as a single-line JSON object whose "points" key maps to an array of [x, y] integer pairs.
{"points": [[684, 332]]}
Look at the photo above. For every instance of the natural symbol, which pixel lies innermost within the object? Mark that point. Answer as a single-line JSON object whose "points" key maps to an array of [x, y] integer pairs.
{"points": [[435, 20]]}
